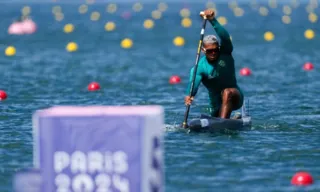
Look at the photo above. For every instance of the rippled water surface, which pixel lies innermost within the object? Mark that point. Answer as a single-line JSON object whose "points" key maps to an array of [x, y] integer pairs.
{"points": [[284, 99]]}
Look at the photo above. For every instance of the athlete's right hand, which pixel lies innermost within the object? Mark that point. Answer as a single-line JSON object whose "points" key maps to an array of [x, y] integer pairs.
{"points": [[209, 14], [188, 100]]}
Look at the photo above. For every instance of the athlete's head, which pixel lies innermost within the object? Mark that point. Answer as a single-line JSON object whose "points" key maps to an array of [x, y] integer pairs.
{"points": [[211, 47]]}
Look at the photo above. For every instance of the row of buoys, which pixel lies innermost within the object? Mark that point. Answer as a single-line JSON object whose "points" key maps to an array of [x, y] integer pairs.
{"points": [[162, 6], [232, 4], [137, 7], [308, 34], [128, 43], [112, 8], [94, 86], [310, 7], [243, 72], [186, 22], [156, 14], [70, 47], [175, 79], [308, 66], [185, 12]]}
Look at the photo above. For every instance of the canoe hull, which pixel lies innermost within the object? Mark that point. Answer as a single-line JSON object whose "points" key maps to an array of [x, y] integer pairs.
{"points": [[213, 124]]}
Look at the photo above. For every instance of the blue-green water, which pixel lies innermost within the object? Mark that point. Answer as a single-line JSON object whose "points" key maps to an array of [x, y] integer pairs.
{"points": [[284, 99]]}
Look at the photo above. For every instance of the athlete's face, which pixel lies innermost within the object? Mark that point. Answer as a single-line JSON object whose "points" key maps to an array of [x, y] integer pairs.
{"points": [[212, 51]]}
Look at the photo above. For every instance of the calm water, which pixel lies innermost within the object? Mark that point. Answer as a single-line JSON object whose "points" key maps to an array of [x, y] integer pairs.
{"points": [[284, 99]]}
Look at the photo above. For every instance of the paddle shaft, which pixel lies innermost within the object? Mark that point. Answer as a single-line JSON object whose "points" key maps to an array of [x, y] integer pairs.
{"points": [[186, 114]]}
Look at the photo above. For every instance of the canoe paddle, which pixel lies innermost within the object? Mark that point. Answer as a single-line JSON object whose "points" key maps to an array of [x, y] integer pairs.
{"points": [[186, 114]]}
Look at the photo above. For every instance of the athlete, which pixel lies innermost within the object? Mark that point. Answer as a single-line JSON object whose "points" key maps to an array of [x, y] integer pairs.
{"points": [[216, 71]]}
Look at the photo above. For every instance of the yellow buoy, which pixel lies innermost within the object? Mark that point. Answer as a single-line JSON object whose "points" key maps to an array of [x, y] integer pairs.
{"points": [[126, 43], [286, 19], [222, 20], [83, 9], [26, 10], [95, 16], [111, 8], [186, 22], [286, 10], [178, 41], [185, 12], [309, 34], [148, 24], [156, 14], [162, 6], [56, 9], [10, 51], [110, 26], [268, 36], [238, 12], [137, 7], [68, 28], [273, 4], [59, 16], [263, 11], [313, 17], [72, 47]]}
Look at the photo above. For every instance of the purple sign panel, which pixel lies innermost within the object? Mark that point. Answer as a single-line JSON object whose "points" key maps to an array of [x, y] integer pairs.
{"points": [[27, 180], [90, 153]]}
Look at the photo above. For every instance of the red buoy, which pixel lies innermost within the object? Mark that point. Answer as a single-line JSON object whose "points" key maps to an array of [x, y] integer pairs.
{"points": [[308, 66], [302, 178], [94, 86], [245, 71], [3, 95], [174, 79]]}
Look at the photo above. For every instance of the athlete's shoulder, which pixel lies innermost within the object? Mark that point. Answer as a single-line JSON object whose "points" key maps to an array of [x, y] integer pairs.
{"points": [[202, 65], [202, 61]]}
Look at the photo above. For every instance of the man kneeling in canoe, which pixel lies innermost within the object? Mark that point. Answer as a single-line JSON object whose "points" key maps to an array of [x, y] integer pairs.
{"points": [[216, 71]]}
